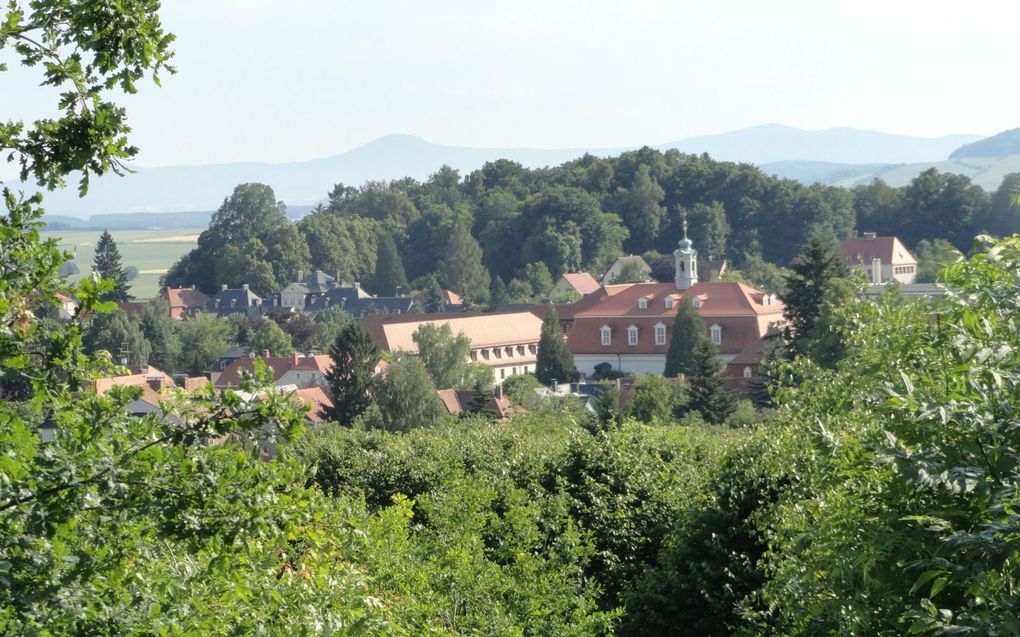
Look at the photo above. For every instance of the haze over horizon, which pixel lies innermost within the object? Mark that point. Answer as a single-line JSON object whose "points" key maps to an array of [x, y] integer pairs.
{"points": [[266, 81]]}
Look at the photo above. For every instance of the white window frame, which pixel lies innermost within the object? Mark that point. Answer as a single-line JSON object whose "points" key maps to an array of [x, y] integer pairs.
{"points": [[632, 335], [696, 302], [747, 371], [660, 334], [716, 333], [607, 335], [669, 302], [642, 303]]}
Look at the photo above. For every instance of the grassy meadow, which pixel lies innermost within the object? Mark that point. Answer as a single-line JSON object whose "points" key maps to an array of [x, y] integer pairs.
{"points": [[151, 251]]}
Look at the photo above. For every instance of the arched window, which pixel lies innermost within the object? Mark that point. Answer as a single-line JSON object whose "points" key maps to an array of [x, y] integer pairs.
{"points": [[607, 335], [632, 335], [716, 333], [660, 334]]}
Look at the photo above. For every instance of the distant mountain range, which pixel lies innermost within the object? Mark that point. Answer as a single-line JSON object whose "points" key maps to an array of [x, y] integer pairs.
{"points": [[842, 156]]}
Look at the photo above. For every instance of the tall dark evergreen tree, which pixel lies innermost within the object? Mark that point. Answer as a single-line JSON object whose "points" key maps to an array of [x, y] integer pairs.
{"points": [[434, 299], [389, 274], [555, 361], [349, 381], [107, 265], [461, 268], [707, 385], [688, 331], [160, 330], [812, 274]]}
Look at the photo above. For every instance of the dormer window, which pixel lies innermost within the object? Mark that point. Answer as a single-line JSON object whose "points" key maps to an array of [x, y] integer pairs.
{"points": [[696, 302], [716, 333], [642, 303], [632, 335], [607, 335], [669, 302], [660, 334], [747, 372]]}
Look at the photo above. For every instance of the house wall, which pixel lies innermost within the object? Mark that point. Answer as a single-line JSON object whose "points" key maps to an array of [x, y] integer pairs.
{"points": [[301, 378], [629, 363]]}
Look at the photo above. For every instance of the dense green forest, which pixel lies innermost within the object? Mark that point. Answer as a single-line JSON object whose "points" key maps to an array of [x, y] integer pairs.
{"points": [[502, 230]]}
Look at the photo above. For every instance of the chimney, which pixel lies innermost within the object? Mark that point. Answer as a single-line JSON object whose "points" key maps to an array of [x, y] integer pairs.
{"points": [[223, 287], [192, 286], [300, 275], [294, 358], [876, 271], [244, 286], [265, 353], [556, 386], [869, 235]]}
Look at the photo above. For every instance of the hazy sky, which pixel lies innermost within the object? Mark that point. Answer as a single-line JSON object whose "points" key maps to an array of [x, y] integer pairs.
{"points": [[284, 80]]}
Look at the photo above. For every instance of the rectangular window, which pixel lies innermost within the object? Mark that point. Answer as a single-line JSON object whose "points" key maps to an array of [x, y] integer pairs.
{"points": [[660, 335], [631, 337], [606, 336]]}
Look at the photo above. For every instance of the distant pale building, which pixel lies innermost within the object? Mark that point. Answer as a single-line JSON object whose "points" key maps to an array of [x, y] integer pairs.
{"points": [[633, 265], [882, 259], [508, 342]]}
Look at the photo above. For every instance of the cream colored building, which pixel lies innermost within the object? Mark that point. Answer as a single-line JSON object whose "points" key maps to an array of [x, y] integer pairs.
{"points": [[506, 342]]}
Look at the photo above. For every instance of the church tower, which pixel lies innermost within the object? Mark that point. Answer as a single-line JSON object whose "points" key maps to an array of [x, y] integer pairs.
{"points": [[686, 261]]}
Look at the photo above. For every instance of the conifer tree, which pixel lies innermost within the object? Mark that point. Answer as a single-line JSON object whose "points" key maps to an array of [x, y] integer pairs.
{"points": [[688, 331], [434, 298], [107, 265], [389, 274], [461, 268], [812, 283], [555, 361], [707, 385], [349, 380], [497, 291]]}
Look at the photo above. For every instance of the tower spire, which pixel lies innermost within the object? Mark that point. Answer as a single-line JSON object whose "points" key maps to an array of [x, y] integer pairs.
{"points": [[686, 258]]}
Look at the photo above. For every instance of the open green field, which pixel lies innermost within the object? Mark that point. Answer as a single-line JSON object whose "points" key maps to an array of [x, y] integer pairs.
{"points": [[151, 251]]}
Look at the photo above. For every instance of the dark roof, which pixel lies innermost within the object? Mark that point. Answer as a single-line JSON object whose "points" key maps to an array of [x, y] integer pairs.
{"points": [[319, 282], [233, 300], [347, 298]]}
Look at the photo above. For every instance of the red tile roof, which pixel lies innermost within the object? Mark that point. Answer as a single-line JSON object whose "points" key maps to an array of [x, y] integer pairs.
{"points": [[740, 311], [280, 365], [717, 299], [315, 398], [865, 249], [581, 281], [188, 298]]}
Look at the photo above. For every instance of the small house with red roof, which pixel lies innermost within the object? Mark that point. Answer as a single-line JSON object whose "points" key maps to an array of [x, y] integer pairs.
{"points": [[184, 302], [573, 283], [629, 326], [882, 259], [298, 370]]}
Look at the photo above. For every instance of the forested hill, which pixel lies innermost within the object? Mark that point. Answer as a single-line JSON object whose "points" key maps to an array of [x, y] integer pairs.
{"points": [[1002, 145], [482, 232]]}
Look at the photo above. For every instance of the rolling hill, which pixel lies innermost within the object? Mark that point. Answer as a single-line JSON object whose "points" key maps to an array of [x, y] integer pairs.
{"points": [[203, 188]]}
